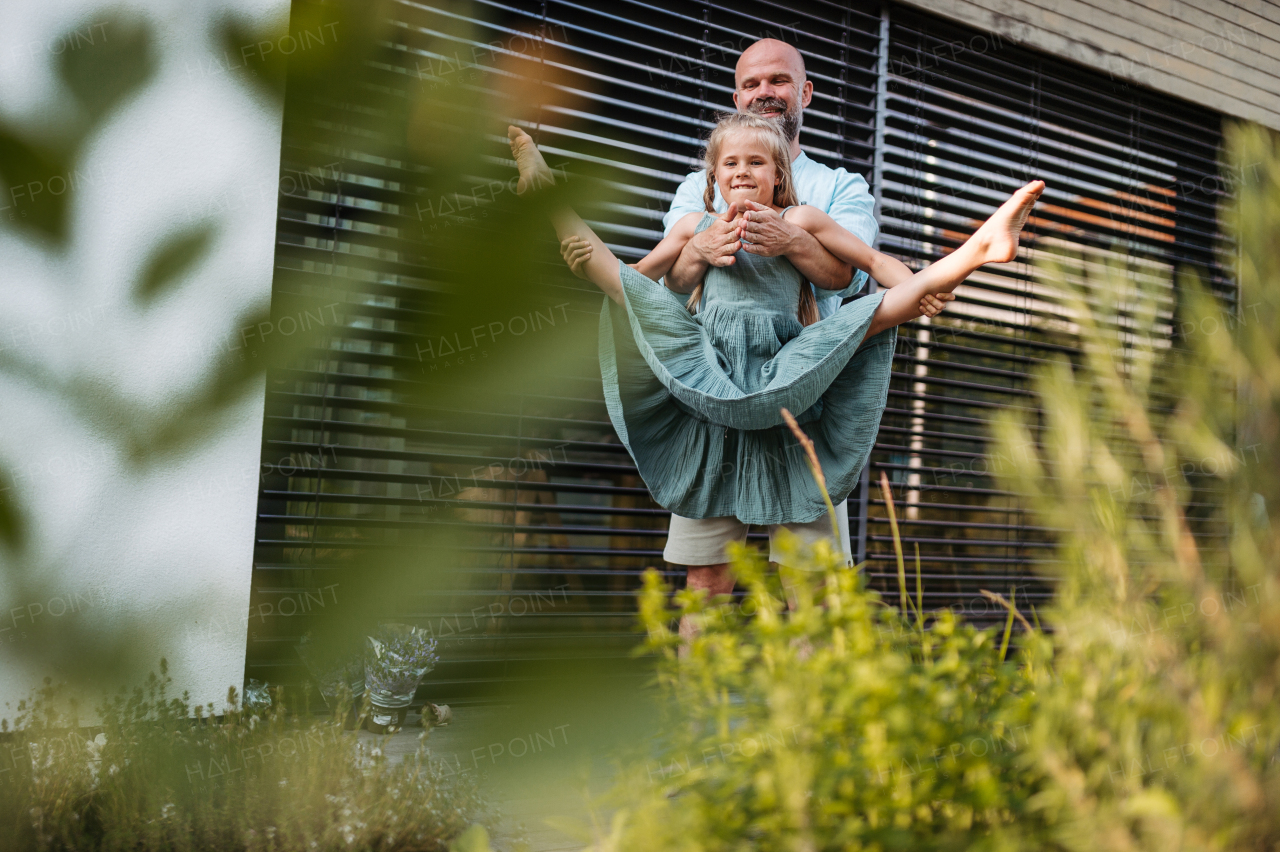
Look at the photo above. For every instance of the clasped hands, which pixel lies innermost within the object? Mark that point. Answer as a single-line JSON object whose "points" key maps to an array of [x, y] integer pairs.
{"points": [[759, 230]]}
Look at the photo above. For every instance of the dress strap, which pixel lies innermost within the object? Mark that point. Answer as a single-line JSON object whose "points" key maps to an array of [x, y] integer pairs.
{"points": [[704, 222]]}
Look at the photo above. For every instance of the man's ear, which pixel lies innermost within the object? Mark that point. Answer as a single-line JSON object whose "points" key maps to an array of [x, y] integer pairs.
{"points": [[806, 94], [735, 100]]}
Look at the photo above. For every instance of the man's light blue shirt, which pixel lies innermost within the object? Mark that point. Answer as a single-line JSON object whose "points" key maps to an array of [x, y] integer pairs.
{"points": [[844, 197]]}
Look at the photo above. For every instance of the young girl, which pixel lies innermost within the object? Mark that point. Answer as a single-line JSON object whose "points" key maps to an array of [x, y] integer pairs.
{"points": [[697, 397]]}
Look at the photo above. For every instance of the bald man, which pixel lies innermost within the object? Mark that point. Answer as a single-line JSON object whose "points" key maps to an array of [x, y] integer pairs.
{"points": [[769, 80]]}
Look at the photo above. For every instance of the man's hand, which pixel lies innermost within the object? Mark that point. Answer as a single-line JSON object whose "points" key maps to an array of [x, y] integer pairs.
{"points": [[931, 306], [576, 252], [764, 232], [717, 245], [767, 234]]}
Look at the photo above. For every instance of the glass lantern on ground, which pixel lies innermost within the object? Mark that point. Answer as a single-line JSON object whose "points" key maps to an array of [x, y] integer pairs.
{"points": [[397, 658]]}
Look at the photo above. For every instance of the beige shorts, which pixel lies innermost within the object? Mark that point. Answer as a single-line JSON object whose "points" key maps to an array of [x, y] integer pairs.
{"points": [[703, 541]]}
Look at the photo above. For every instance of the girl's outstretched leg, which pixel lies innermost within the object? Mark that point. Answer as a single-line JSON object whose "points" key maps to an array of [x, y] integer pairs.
{"points": [[601, 267], [995, 242]]}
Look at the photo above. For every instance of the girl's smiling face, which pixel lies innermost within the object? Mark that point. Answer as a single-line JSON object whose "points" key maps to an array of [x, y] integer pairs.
{"points": [[745, 169]]}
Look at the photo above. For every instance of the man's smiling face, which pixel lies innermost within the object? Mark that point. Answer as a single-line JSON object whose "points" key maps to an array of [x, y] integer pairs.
{"points": [[770, 81]]}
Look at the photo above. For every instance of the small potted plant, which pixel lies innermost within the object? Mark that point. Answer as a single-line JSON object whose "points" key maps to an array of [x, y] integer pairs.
{"points": [[398, 656]]}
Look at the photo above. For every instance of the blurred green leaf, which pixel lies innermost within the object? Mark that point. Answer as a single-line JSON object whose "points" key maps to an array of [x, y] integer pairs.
{"points": [[257, 54], [117, 60], [37, 182], [12, 527], [171, 262], [158, 435], [474, 839]]}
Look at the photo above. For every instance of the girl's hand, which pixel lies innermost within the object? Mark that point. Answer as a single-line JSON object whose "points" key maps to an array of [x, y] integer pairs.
{"points": [[576, 252], [932, 305]]}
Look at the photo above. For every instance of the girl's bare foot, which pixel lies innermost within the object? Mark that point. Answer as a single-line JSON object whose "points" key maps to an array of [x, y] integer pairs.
{"points": [[997, 240], [534, 171]]}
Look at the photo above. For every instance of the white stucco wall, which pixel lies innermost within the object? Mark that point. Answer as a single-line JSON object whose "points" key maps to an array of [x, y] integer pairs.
{"points": [[1222, 54], [168, 550]]}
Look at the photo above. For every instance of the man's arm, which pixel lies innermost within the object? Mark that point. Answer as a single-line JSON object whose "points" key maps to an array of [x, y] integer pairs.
{"points": [[853, 209], [768, 234], [690, 268], [813, 261]]}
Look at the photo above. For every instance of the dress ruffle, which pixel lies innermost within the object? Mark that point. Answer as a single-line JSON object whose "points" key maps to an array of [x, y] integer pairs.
{"points": [[708, 449]]}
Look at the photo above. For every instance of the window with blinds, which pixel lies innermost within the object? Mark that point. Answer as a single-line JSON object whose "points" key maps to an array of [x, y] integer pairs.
{"points": [[555, 526], [968, 118]]}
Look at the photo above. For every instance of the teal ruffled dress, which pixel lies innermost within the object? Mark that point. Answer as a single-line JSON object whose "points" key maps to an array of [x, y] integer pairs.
{"points": [[696, 398]]}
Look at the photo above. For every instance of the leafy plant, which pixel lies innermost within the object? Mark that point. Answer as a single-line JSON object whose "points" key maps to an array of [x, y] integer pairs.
{"points": [[1160, 726], [163, 774], [338, 673], [823, 718]]}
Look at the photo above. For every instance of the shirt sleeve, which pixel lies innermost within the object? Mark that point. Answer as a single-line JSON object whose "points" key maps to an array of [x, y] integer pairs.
{"points": [[688, 200], [853, 208]]}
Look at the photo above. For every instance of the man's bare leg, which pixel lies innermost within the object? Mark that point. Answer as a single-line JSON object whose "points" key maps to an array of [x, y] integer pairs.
{"points": [[714, 580], [995, 242]]}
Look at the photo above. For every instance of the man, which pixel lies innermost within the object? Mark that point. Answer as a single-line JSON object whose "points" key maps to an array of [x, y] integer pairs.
{"points": [[769, 80]]}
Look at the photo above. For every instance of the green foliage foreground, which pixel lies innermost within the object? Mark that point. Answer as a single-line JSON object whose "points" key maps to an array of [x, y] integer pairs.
{"points": [[1146, 716], [160, 774]]}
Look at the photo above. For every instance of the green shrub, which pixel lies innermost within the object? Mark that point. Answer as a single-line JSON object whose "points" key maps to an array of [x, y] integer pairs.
{"points": [[841, 723], [1159, 729], [159, 774]]}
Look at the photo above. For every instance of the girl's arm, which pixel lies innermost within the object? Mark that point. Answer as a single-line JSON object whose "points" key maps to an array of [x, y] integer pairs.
{"points": [[844, 245], [887, 271], [657, 263]]}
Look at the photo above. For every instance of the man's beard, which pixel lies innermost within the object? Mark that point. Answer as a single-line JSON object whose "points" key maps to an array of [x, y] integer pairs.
{"points": [[788, 121]]}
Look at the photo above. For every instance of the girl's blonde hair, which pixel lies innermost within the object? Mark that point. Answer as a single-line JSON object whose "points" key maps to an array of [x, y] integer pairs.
{"points": [[784, 192]]}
